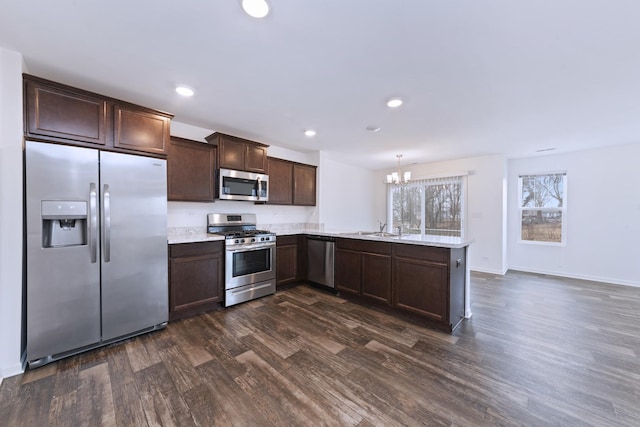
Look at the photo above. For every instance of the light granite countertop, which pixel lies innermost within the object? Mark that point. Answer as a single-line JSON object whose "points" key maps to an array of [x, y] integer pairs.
{"points": [[191, 235], [177, 235], [412, 239]]}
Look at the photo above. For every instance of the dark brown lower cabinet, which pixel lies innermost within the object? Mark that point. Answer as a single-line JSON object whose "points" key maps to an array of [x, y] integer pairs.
{"points": [[430, 282], [347, 271], [376, 277], [363, 268], [422, 280], [288, 259], [196, 278], [419, 287]]}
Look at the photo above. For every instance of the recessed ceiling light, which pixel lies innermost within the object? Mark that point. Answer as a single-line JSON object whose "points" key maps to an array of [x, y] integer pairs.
{"points": [[373, 128], [394, 102], [310, 132], [255, 8], [184, 90]]}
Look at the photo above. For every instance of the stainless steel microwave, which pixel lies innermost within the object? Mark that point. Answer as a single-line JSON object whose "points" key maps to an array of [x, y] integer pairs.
{"points": [[240, 185]]}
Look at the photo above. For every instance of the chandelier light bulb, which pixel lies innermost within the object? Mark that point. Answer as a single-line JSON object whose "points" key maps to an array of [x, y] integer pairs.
{"points": [[399, 177]]}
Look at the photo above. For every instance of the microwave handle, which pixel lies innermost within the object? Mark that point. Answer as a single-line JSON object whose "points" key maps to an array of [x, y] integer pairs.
{"points": [[258, 188]]}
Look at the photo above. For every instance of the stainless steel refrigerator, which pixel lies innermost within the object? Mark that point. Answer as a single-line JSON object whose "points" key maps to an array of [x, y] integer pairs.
{"points": [[96, 248]]}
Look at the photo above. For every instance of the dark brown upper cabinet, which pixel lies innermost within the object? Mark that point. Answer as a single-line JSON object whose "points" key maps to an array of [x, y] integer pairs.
{"points": [[61, 114], [58, 113], [291, 183], [140, 130], [280, 181], [304, 185], [239, 154], [191, 169]]}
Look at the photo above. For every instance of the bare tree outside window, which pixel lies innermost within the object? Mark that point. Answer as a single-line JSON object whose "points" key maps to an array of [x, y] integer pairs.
{"points": [[542, 206], [406, 202], [443, 209], [429, 207]]}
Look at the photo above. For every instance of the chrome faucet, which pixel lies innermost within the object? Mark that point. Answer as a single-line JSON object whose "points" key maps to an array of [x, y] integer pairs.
{"points": [[382, 226]]}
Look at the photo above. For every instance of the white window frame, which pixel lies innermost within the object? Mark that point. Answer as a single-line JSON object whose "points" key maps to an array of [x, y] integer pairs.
{"points": [[563, 209], [444, 178]]}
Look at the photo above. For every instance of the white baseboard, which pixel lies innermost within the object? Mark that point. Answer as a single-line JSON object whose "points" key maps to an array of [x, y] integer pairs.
{"points": [[578, 276], [9, 371], [489, 270]]}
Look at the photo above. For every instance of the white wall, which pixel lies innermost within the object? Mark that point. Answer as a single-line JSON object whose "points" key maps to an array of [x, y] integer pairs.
{"points": [[347, 196], [10, 212], [603, 216], [486, 206]]}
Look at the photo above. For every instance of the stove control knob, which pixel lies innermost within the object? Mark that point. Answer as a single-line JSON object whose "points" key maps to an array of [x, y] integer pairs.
{"points": [[237, 241], [253, 240], [262, 239]]}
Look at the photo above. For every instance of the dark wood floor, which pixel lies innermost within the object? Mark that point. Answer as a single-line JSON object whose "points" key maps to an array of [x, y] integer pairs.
{"points": [[538, 351]]}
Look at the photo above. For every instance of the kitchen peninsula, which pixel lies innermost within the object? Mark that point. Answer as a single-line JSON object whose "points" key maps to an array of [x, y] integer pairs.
{"points": [[417, 275], [423, 277]]}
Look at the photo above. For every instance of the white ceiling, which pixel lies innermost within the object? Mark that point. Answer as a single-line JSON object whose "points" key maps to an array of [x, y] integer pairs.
{"points": [[477, 77]]}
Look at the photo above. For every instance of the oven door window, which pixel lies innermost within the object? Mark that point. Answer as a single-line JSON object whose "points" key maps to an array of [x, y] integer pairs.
{"points": [[251, 262]]}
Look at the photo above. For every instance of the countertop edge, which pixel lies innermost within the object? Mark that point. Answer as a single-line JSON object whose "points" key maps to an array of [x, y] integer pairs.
{"points": [[193, 238], [407, 239]]}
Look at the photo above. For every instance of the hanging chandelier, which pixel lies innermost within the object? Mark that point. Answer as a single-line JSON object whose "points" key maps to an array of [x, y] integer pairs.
{"points": [[399, 177]]}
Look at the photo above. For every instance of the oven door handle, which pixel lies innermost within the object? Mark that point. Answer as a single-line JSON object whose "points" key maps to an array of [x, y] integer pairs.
{"points": [[251, 289], [251, 247]]}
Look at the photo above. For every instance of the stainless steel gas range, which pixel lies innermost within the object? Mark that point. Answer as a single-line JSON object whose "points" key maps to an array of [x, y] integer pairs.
{"points": [[250, 257]]}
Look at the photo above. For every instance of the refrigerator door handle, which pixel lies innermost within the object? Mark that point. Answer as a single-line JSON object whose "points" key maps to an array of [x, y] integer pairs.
{"points": [[93, 222], [106, 222]]}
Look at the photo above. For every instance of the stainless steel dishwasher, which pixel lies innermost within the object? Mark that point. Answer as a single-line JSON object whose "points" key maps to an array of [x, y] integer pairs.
{"points": [[320, 259]]}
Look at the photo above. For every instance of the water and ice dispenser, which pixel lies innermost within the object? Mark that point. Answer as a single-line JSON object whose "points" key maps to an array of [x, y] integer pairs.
{"points": [[64, 223]]}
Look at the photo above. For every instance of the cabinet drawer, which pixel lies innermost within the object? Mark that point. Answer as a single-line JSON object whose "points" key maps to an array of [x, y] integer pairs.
{"points": [[197, 248], [370, 246], [425, 253], [286, 240]]}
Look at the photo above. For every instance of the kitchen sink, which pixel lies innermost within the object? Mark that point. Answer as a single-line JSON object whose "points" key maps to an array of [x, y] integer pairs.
{"points": [[375, 233]]}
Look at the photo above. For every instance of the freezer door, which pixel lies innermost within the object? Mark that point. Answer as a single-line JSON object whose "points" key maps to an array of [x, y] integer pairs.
{"points": [[133, 191], [62, 283]]}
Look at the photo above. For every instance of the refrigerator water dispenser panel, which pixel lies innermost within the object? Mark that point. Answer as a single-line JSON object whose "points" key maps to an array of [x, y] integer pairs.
{"points": [[64, 223]]}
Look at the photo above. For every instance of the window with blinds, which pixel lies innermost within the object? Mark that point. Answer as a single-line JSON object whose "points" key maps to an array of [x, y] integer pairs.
{"points": [[542, 203], [432, 207]]}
